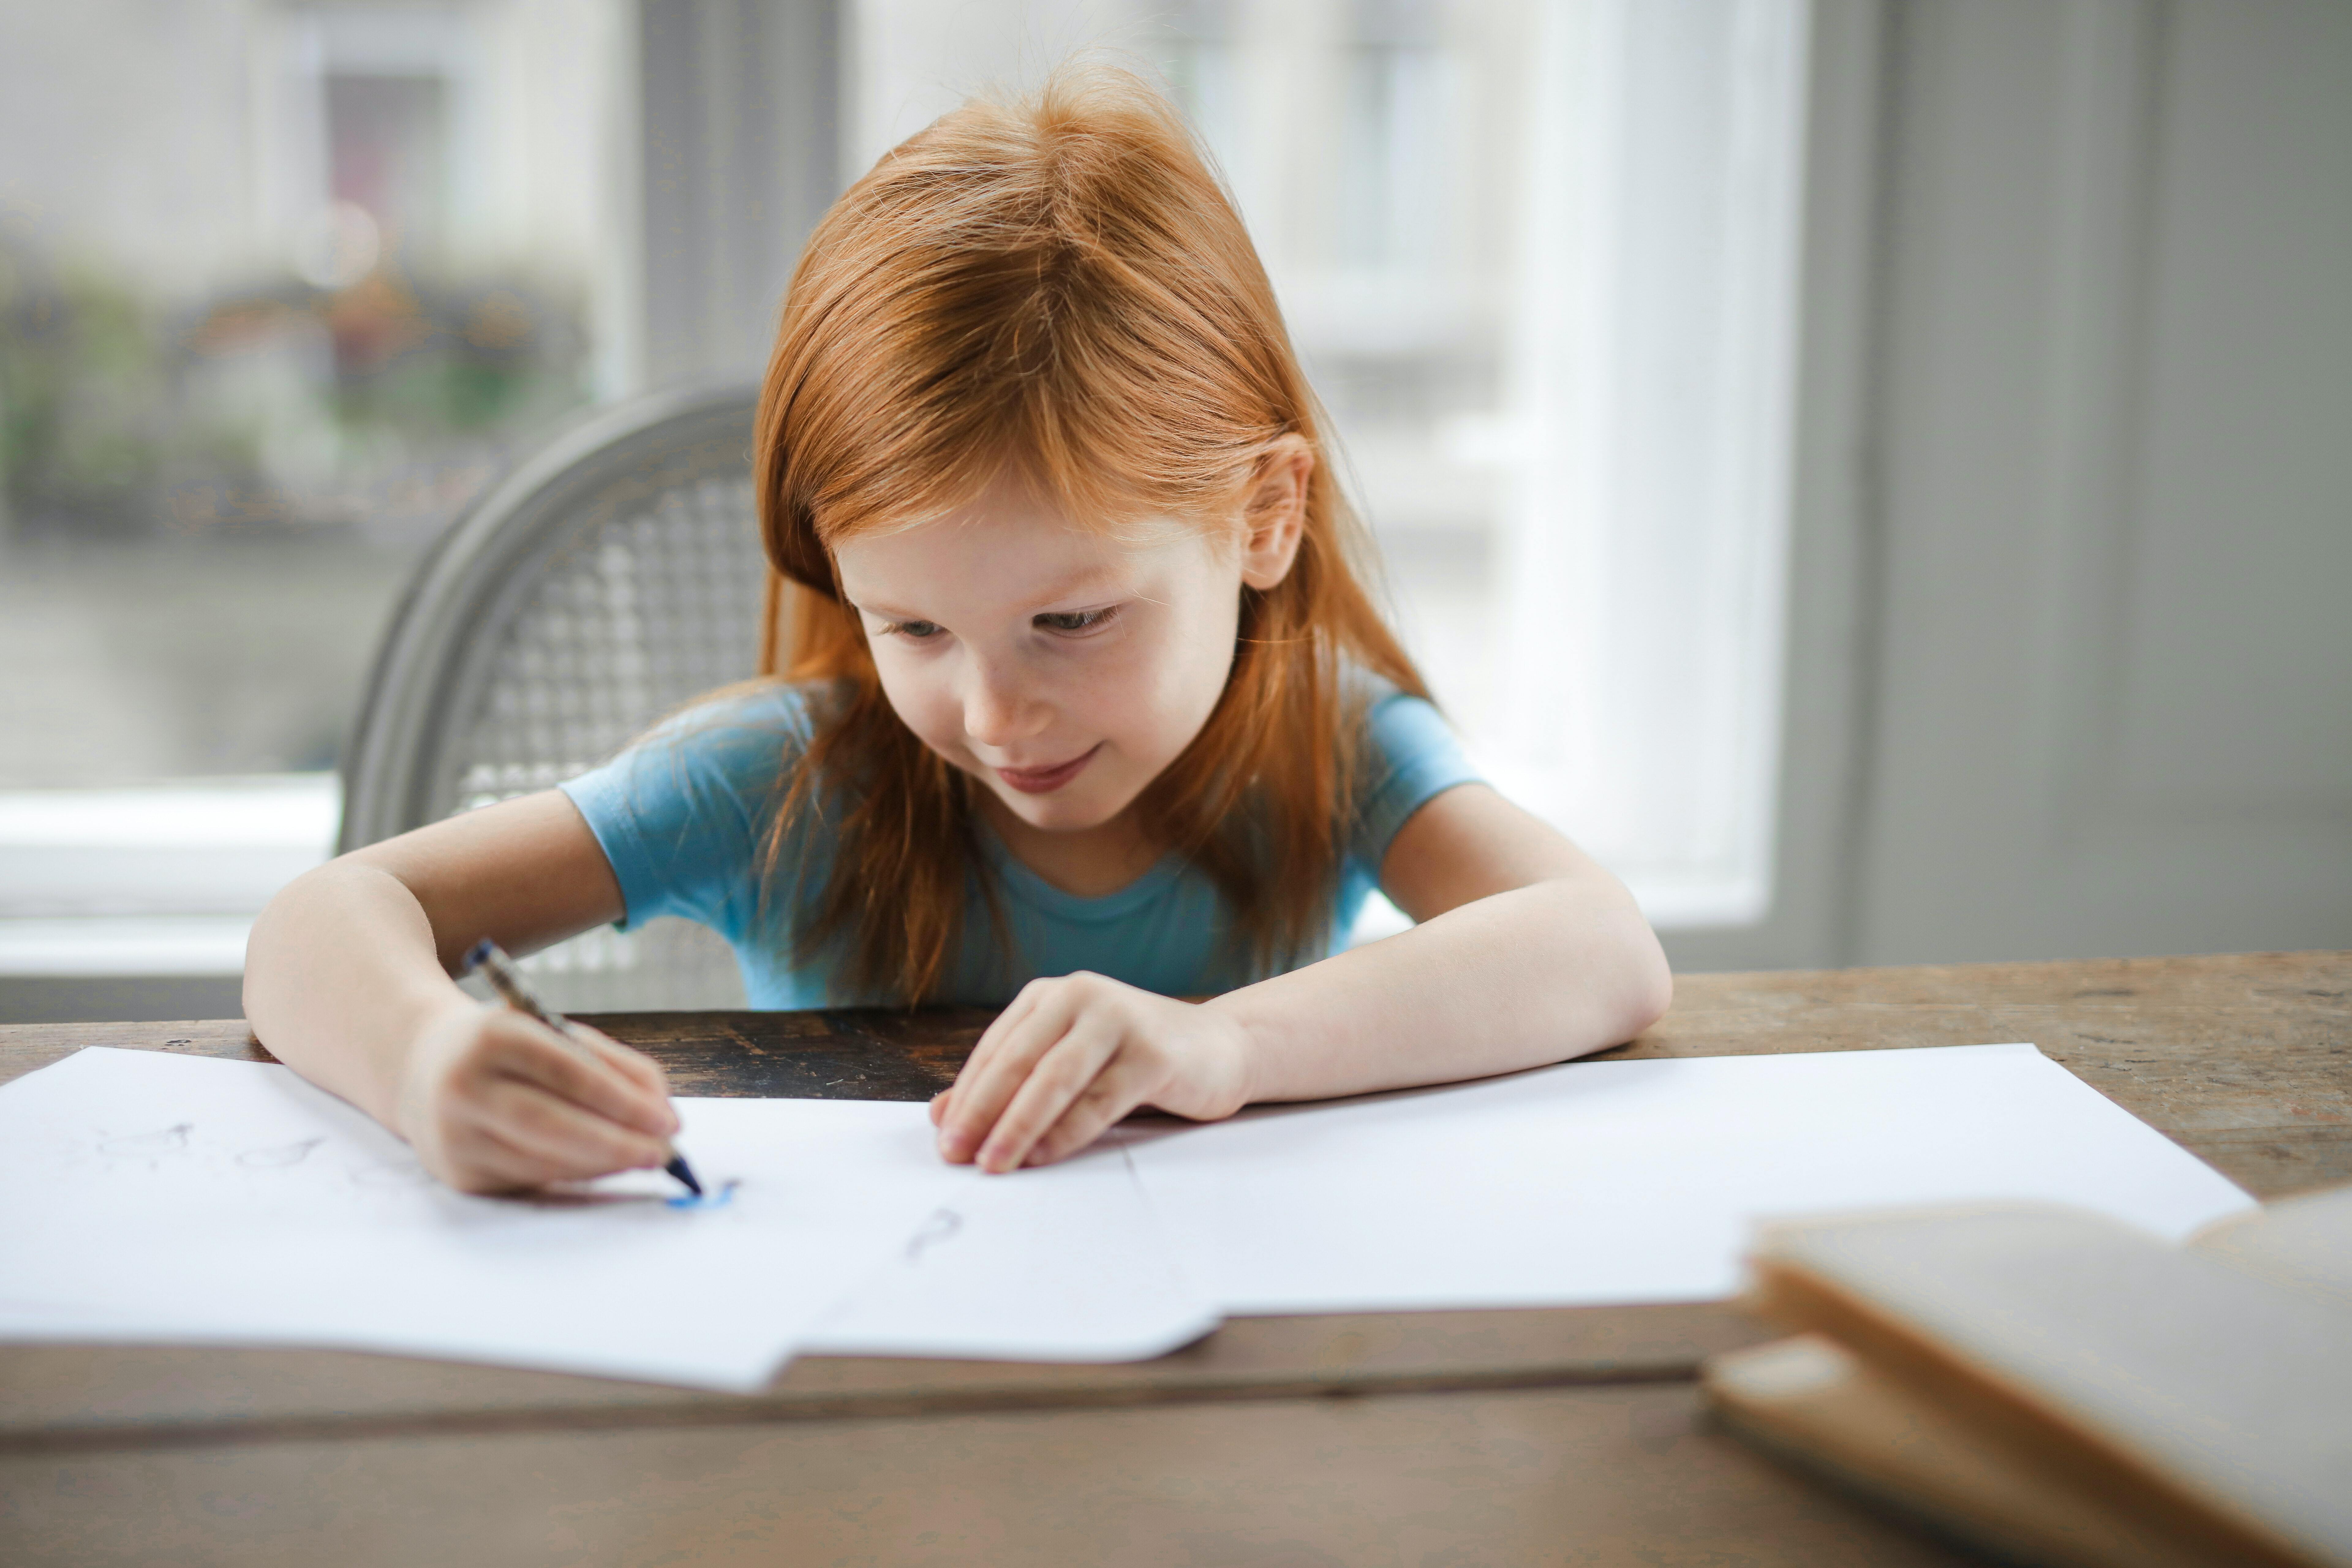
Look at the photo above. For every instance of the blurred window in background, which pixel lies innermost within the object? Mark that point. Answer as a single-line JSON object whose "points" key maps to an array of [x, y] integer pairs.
{"points": [[281, 289], [282, 285]]}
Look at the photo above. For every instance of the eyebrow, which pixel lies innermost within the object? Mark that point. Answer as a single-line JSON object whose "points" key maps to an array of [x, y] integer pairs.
{"points": [[1065, 588], [1077, 583]]}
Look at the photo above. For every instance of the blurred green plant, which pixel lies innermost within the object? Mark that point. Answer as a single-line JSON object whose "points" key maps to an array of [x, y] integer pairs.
{"points": [[274, 406], [84, 393]]}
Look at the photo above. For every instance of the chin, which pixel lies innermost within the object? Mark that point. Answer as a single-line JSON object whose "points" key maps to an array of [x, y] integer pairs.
{"points": [[1059, 814]]}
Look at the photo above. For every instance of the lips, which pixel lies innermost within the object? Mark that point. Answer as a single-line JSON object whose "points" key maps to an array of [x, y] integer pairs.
{"points": [[1045, 781]]}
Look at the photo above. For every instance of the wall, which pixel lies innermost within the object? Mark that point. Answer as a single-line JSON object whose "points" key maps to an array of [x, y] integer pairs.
{"points": [[2112, 710], [2071, 665]]}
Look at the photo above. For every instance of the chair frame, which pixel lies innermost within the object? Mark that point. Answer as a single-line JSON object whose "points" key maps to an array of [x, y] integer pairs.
{"points": [[442, 645]]}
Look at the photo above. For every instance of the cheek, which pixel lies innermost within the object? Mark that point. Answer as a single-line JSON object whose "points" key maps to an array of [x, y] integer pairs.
{"points": [[1174, 687], [920, 693]]}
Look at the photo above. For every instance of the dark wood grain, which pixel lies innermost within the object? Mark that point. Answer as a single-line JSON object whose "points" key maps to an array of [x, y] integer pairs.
{"points": [[843, 1054]]}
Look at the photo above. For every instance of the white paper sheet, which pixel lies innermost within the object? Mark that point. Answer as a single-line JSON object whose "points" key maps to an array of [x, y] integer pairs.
{"points": [[153, 1197], [145, 1196], [1061, 1263], [1625, 1181]]}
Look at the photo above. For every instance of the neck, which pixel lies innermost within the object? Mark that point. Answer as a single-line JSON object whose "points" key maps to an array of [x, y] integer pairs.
{"points": [[1085, 862]]}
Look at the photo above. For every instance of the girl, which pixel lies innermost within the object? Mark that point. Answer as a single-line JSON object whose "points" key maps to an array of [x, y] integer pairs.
{"points": [[1083, 691]]}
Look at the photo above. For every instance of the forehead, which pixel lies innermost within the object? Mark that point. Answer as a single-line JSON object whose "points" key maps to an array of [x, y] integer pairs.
{"points": [[1011, 548]]}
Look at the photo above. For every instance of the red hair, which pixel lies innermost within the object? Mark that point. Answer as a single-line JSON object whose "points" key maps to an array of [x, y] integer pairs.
{"points": [[1059, 284]]}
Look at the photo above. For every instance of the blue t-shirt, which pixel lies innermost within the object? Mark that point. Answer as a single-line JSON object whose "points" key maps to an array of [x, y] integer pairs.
{"points": [[683, 818]]}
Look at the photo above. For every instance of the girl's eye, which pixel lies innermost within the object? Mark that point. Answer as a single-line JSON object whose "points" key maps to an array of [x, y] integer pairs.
{"points": [[919, 631], [1070, 621]]}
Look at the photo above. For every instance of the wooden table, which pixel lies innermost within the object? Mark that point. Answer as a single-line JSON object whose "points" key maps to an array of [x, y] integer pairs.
{"points": [[1454, 1438]]}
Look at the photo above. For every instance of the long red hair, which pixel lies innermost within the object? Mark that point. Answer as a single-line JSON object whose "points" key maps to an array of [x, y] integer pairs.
{"points": [[1061, 284]]}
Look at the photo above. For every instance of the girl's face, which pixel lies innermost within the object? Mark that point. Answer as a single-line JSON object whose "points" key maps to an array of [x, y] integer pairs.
{"points": [[1062, 668]]}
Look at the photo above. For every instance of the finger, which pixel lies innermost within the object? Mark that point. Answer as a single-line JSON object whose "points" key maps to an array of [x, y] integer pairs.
{"points": [[992, 1039], [483, 1163], [984, 1092], [1060, 1077], [501, 1166], [939, 1106], [534, 1054], [1023, 1003], [1011, 1045], [632, 1063], [635, 1066], [583, 1142], [1118, 1089], [573, 1144]]}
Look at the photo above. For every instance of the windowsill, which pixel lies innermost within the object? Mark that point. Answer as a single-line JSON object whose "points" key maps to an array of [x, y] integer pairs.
{"points": [[123, 946], [166, 880], [163, 879]]}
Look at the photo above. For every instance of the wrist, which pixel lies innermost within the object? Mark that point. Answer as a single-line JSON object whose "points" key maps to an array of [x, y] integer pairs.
{"points": [[1250, 1045], [426, 1025]]}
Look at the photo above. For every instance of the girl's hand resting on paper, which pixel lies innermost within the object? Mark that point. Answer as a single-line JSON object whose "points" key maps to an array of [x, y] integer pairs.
{"points": [[492, 1102], [1072, 1056]]}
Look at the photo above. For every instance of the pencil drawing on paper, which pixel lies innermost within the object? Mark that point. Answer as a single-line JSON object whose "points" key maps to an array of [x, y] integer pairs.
{"points": [[278, 1156], [393, 1173], [943, 1224], [148, 1145]]}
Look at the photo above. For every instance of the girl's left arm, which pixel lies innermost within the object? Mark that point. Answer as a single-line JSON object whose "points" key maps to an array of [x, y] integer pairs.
{"points": [[1527, 953]]}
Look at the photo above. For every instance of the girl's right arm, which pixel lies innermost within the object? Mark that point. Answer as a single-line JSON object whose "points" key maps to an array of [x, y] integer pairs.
{"points": [[348, 981]]}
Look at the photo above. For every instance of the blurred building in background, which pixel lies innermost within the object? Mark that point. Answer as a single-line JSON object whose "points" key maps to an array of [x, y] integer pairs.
{"points": [[280, 288]]}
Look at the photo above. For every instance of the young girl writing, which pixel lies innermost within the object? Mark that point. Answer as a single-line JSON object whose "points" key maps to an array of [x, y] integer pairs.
{"points": [[1085, 711]]}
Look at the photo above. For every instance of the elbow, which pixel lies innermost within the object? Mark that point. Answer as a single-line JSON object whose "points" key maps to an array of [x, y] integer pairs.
{"points": [[276, 930], [1649, 982], [1632, 985], [1612, 979], [261, 939]]}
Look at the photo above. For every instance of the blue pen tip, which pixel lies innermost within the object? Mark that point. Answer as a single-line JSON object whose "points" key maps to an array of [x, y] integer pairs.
{"points": [[477, 952]]}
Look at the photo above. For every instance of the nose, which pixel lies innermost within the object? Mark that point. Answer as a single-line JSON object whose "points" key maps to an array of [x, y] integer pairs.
{"points": [[999, 710]]}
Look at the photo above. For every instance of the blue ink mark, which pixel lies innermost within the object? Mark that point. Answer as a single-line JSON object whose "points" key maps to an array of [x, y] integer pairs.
{"points": [[717, 1200]]}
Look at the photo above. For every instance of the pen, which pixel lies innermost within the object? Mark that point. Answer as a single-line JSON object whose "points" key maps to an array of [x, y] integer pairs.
{"points": [[498, 969]]}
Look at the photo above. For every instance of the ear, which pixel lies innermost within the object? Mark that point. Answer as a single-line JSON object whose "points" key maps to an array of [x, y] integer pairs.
{"points": [[1274, 517]]}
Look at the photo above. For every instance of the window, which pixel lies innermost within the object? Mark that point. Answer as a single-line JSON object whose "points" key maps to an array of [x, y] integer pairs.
{"points": [[281, 287]]}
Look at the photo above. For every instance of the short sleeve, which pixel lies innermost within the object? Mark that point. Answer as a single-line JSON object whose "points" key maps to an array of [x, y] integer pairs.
{"points": [[683, 815], [1410, 756]]}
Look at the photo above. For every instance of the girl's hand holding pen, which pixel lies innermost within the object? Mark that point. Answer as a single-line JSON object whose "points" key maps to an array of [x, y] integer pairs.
{"points": [[493, 1101], [1072, 1056]]}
